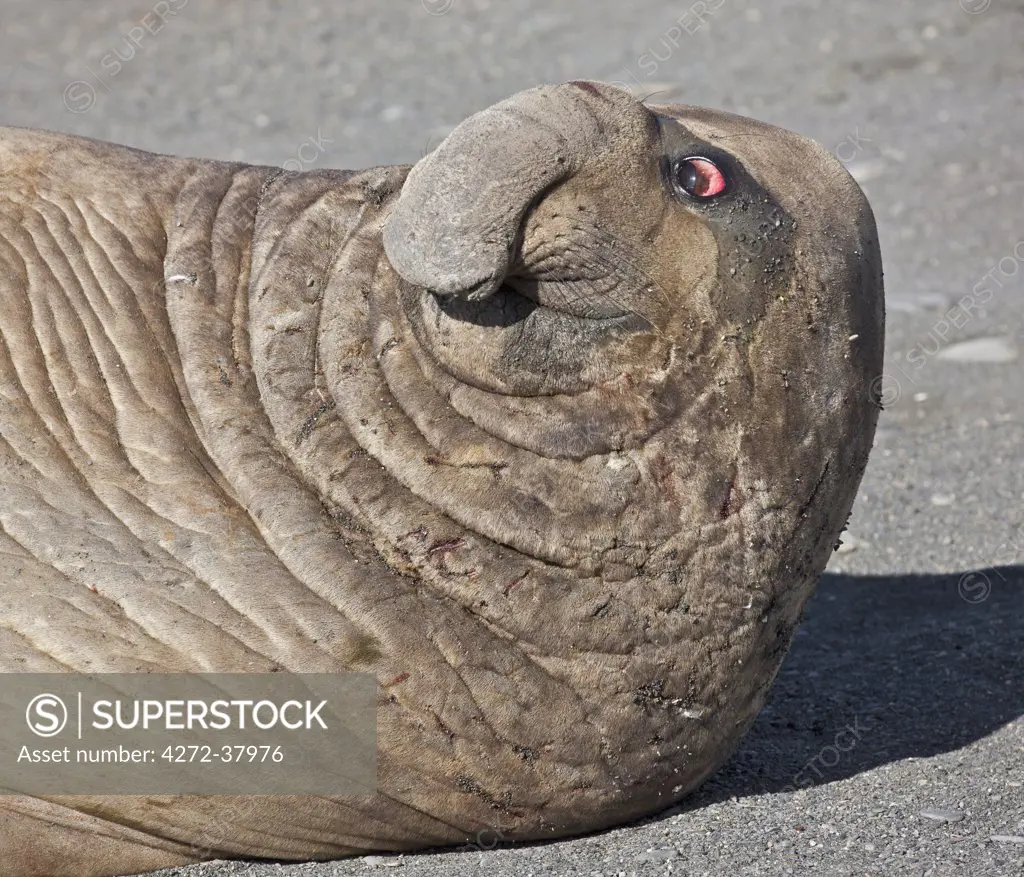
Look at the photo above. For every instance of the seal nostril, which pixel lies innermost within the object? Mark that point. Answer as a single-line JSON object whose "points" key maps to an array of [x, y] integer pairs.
{"points": [[698, 177]]}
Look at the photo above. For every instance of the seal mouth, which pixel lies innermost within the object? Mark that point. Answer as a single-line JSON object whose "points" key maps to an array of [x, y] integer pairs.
{"points": [[527, 339], [519, 300], [585, 299]]}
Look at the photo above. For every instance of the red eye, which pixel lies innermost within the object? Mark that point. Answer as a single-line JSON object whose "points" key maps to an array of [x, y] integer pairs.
{"points": [[698, 177]]}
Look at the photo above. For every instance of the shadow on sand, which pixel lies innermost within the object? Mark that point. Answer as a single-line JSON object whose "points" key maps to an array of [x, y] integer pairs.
{"points": [[885, 668]]}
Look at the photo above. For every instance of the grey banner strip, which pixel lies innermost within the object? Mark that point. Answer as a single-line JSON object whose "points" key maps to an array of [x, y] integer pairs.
{"points": [[188, 734]]}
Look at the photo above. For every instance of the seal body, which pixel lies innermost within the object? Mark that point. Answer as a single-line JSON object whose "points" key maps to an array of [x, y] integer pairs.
{"points": [[552, 450]]}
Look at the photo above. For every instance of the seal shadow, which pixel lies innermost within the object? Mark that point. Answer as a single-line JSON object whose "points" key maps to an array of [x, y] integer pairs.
{"points": [[884, 668]]}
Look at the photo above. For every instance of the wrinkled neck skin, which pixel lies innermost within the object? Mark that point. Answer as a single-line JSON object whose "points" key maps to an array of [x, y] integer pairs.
{"points": [[570, 540], [560, 478]]}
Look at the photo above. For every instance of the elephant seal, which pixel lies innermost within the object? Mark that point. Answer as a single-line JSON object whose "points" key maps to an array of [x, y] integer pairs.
{"points": [[552, 433]]}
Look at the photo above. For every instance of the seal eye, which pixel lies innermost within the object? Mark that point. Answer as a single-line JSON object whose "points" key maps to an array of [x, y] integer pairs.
{"points": [[698, 177]]}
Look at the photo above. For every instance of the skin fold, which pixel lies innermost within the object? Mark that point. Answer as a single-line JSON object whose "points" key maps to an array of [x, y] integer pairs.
{"points": [[553, 450]]}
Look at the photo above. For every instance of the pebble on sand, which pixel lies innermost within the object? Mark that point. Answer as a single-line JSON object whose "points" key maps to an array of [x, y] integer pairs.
{"points": [[848, 544], [662, 855], [992, 350], [941, 815]]}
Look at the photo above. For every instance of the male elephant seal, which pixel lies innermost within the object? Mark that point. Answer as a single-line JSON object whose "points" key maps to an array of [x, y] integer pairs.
{"points": [[552, 434]]}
